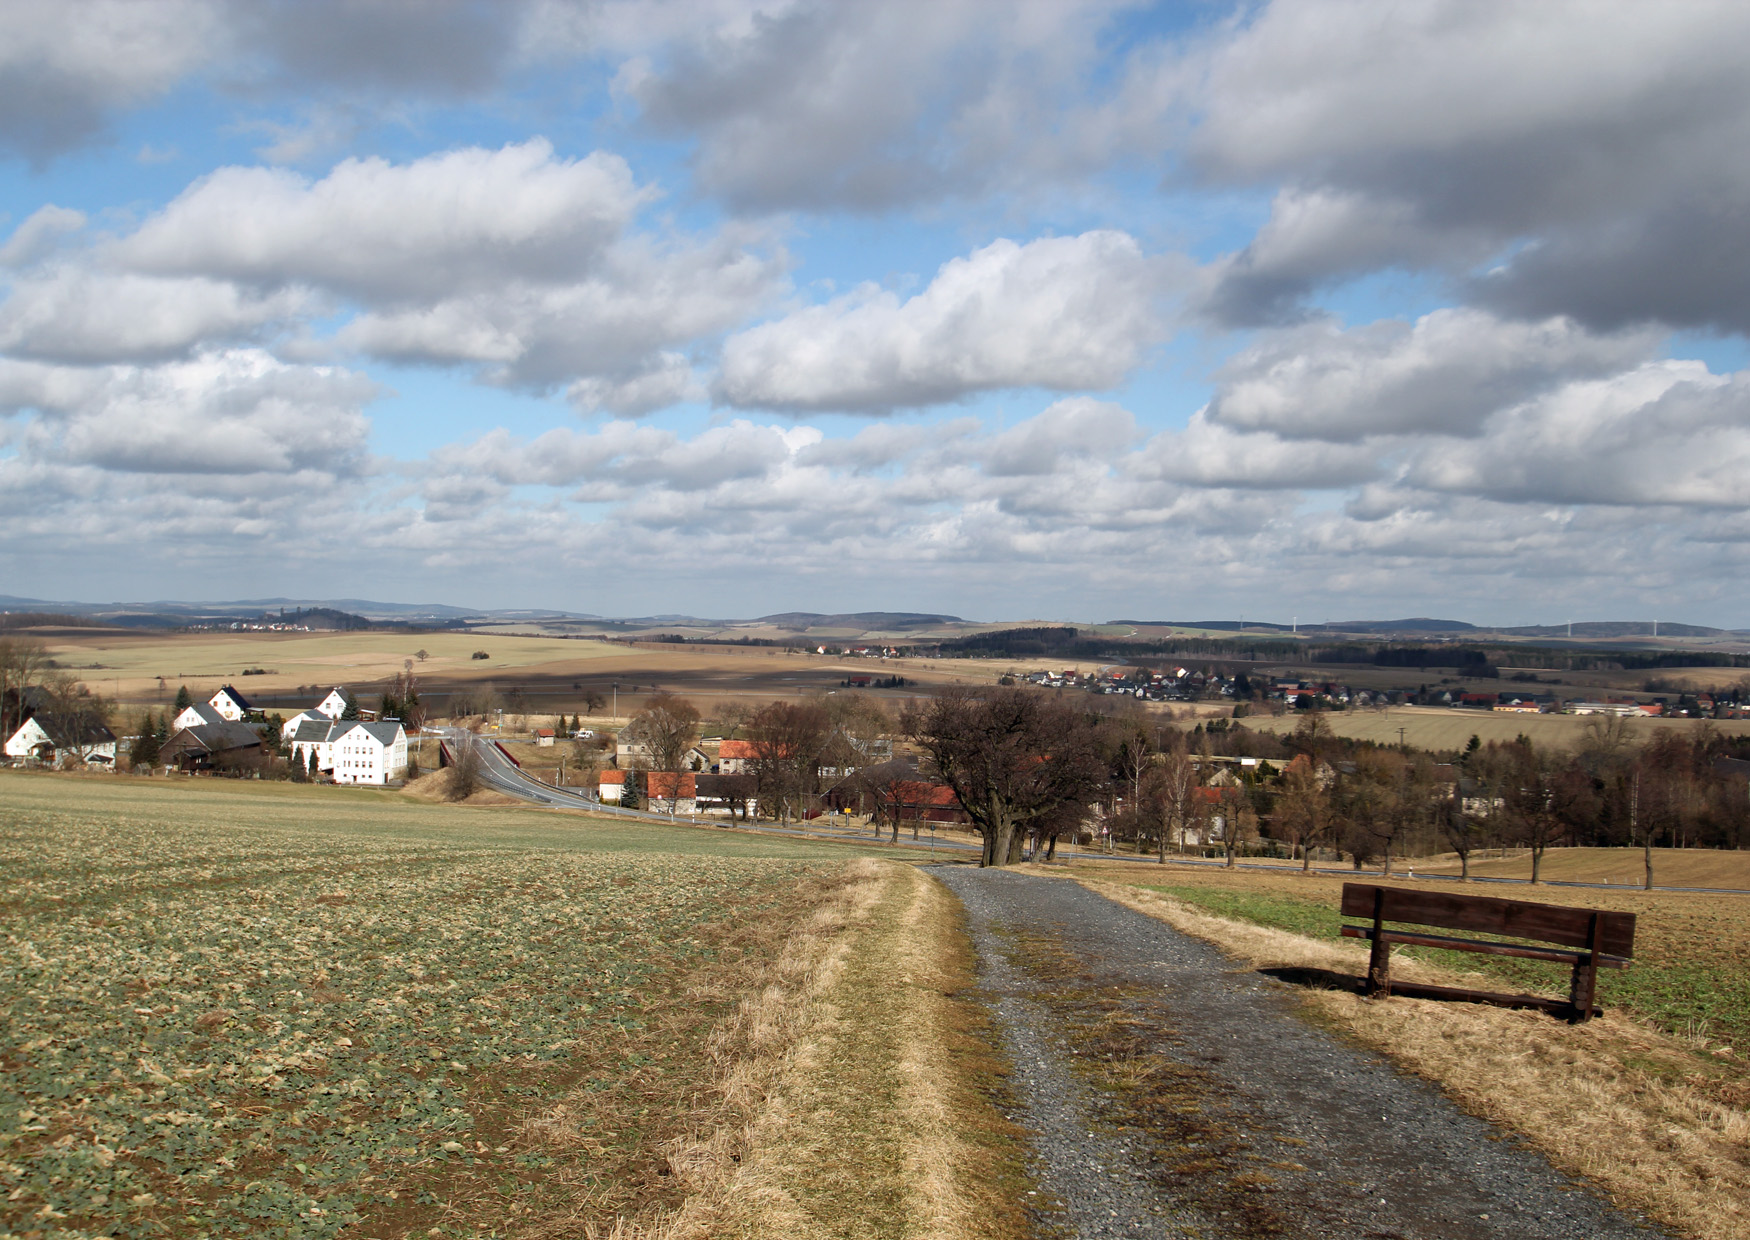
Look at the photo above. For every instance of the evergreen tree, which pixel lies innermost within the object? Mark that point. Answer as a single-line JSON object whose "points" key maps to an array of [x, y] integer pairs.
{"points": [[144, 751], [314, 770], [352, 708], [183, 699], [389, 708], [161, 731]]}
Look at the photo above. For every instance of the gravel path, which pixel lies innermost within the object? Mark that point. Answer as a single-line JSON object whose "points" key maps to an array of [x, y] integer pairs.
{"points": [[1170, 1095]]}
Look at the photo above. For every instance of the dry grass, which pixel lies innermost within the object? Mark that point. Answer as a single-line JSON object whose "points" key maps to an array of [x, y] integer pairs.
{"points": [[859, 1076], [1428, 727], [1656, 1125], [1672, 867]]}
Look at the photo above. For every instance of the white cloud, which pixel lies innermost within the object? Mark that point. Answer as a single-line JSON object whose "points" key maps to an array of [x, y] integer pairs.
{"points": [[1444, 374], [1667, 433], [74, 314], [1061, 313], [237, 412], [468, 219]]}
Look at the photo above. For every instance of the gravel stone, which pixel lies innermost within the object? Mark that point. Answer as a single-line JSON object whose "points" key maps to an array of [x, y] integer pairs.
{"points": [[1353, 1146]]}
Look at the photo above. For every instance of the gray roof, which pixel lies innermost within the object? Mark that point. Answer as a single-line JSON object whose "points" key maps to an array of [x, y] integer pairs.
{"points": [[322, 731], [214, 737], [64, 733], [206, 712]]}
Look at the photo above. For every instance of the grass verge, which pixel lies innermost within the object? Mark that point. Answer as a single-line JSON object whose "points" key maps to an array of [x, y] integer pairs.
{"points": [[1655, 1121]]}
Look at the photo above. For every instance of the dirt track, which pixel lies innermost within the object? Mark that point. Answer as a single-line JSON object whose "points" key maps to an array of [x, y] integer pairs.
{"points": [[1170, 1095]]}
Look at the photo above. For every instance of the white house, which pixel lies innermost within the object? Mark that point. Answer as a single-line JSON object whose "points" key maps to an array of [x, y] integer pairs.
{"points": [[232, 706], [611, 787], [335, 704], [352, 752], [192, 716], [50, 737], [326, 711]]}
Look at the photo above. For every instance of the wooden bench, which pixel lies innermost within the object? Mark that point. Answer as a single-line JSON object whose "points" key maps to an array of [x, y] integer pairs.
{"points": [[1588, 939]]}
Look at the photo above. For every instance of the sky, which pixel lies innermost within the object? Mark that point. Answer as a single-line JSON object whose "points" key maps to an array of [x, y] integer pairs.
{"points": [[1072, 309]]}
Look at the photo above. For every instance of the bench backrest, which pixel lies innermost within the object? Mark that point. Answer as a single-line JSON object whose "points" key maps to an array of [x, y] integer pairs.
{"points": [[1545, 923]]}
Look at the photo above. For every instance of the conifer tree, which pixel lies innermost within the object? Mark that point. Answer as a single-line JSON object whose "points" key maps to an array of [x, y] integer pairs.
{"points": [[183, 698]]}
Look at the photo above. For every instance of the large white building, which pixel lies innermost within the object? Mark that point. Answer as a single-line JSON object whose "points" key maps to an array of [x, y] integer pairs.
{"points": [[352, 751]]}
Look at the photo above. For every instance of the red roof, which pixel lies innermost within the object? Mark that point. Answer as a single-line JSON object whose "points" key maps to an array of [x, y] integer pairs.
{"points": [[543, 731], [737, 749], [662, 784], [908, 792], [613, 777]]}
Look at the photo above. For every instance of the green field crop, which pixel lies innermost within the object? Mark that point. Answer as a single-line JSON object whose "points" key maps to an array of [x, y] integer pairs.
{"points": [[229, 1011]]}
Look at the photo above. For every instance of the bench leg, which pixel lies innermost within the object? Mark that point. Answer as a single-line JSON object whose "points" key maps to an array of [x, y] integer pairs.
{"points": [[1379, 959], [1585, 980]]}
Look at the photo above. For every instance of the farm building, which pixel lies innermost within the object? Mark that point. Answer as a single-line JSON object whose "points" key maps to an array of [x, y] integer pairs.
{"points": [[611, 787], [727, 795], [48, 737], [221, 746]]}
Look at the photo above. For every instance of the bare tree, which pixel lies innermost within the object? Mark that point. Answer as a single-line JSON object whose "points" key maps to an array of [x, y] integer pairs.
{"points": [[1174, 781], [464, 777], [22, 663], [1011, 756], [787, 739], [1303, 811], [667, 727]]}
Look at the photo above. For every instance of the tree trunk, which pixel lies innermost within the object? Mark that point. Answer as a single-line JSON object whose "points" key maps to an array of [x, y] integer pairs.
{"points": [[1385, 870], [1536, 864], [1464, 867], [1648, 858], [1306, 858]]}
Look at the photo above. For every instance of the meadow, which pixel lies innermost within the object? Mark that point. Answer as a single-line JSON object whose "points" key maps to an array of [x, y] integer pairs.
{"points": [[244, 1009]]}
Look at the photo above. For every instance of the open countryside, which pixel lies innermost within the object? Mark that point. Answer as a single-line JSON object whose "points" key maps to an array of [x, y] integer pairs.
{"points": [[335, 1024]]}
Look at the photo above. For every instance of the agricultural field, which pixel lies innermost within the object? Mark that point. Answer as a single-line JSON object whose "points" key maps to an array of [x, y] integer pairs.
{"points": [[551, 672], [1428, 727], [268, 1011], [1688, 976]]}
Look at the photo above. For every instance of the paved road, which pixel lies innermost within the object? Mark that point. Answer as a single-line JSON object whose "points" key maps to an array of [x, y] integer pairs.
{"points": [[502, 775], [1168, 1095]]}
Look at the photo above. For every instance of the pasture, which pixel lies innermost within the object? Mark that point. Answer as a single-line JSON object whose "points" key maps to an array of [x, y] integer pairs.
{"points": [[271, 1010]]}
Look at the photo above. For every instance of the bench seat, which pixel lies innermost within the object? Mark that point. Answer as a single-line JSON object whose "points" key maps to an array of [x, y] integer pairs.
{"points": [[1487, 947], [1586, 939]]}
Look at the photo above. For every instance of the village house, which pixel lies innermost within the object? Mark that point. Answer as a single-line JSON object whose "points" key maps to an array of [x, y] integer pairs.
{"points": [[611, 787], [214, 747], [47, 737], [352, 751], [327, 710], [734, 757], [232, 706], [197, 713], [672, 792]]}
